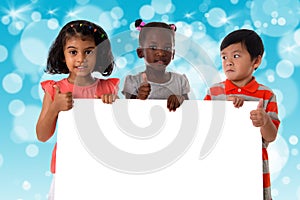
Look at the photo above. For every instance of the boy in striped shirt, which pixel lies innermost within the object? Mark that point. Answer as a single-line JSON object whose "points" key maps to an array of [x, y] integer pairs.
{"points": [[241, 53]]}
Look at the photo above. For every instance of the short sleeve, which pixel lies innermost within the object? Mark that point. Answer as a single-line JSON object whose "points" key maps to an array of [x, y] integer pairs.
{"points": [[114, 85], [185, 85], [108, 86], [131, 85], [47, 86]]}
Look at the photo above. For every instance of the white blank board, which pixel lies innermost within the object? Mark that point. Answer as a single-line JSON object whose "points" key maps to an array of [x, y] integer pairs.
{"points": [[138, 150]]}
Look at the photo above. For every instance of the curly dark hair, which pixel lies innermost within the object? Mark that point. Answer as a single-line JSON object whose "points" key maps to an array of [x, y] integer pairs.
{"points": [[84, 29], [144, 28]]}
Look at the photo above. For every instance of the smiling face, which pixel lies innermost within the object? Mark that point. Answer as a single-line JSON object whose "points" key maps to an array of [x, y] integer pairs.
{"points": [[237, 64], [80, 57], [157, 49]]}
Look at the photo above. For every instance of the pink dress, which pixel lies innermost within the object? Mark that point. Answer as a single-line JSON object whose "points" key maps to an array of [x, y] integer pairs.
{"points": [[100, 87]]}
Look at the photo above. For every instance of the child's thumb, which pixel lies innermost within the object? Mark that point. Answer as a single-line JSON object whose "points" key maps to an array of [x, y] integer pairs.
{"points": [[260, 104], [57, 89], [144, 78]]}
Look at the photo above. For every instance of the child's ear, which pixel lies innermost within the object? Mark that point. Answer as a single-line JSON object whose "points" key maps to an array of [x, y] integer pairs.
{"points": [[257, 62], [140, 52]]}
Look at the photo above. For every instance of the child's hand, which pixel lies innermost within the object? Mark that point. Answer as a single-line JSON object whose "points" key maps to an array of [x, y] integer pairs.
{"points": [[174, 101], [62, 102], [107, 98], [237, 101], [259, 116], [144, 89]]}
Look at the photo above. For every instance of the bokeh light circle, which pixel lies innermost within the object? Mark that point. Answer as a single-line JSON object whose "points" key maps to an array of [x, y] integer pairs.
{"points": [[32, 150], [297, 36], [293, 140], [3, 53], [86, 12], [216, 17], [26, 185], [161, 6], [5, 20], [34, 45], [106, 21], [117, 13], [294, 152], [288, 49], [23, 130], [278, 155], [16, 107], [285, 68], [12, 83], [53, 24], [36, 16], [277, 17], [121, 62], [147, 12]]}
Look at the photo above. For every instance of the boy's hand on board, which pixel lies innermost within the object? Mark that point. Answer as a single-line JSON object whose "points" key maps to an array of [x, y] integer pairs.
{"points": [[237, 101]]}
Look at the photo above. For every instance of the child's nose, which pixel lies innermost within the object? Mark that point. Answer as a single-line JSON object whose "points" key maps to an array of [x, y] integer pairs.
{"points": [[81, 58], [160, 52], [229, 62]]}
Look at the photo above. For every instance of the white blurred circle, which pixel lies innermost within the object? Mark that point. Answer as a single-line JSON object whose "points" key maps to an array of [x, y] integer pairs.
{"points": [[147, 12], [121, 62], [216, 17], [161, 6], [53, 24], [293, 140], [26, 185], [117, 13], [16, 107], [297, 36], [12, 83], [285, 68], [32, 150], [294, 152], [278, 154], [5, 20], [3, 53], [36, 16]]}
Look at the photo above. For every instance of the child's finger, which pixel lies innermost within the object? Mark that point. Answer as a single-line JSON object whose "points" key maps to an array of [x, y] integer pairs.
{"points": [[260, 104], [230, 98], [57, 89], [144, 78]]}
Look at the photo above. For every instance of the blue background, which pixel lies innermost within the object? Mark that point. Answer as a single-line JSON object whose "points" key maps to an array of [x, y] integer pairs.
{"points": [[27, 29]]}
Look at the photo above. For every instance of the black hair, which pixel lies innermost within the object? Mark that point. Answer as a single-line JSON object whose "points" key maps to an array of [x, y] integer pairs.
{"points": [[249, 38], [104, 60], [144, 28]]}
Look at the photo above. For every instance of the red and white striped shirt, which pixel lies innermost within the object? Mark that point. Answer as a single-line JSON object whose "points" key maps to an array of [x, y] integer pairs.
{"points": [[253, 91]]}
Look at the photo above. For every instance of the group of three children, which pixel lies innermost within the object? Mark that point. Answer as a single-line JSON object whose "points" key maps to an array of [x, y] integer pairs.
{"points": [[82, 47]]}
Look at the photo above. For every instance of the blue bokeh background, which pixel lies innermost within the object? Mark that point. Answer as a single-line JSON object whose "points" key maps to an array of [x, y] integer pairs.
{"points": [[27, 29]]}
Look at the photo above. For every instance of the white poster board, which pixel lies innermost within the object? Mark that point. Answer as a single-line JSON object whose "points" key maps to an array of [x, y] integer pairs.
{"points": [[138, 150]]}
